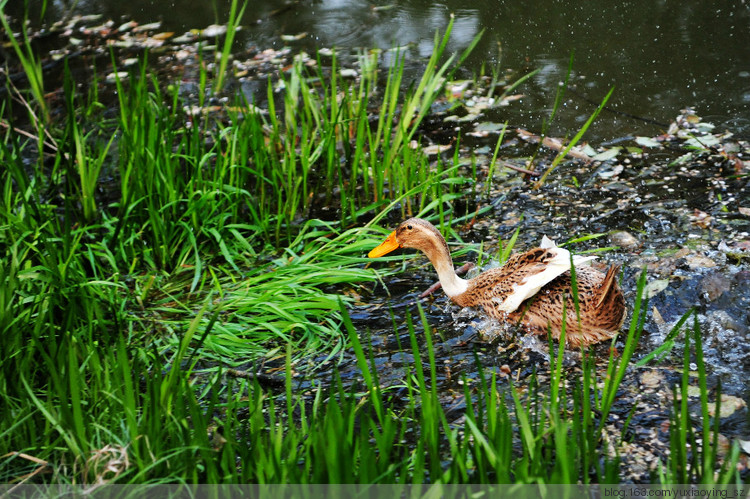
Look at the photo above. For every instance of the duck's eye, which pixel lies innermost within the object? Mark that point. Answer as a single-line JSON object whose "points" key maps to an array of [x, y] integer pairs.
{"points": [[408, 227]]}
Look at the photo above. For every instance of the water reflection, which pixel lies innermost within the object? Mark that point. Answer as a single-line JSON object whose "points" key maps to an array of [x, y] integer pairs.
{"points": [[661, 56]]}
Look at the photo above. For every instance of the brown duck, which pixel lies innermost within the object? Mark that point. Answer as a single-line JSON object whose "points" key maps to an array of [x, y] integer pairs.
{"points": [[528, 289]]}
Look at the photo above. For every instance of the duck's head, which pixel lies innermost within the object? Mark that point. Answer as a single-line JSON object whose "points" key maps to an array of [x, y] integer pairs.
{"points": [[413, 233]]}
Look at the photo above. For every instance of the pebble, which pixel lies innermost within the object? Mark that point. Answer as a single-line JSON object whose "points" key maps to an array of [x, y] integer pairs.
{"points": [[714, 285], [624, 240]]}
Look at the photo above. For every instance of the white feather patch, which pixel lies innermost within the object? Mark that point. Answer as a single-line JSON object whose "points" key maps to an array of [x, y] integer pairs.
{"points": [[451, 283], [531, 285], [547, 243]]}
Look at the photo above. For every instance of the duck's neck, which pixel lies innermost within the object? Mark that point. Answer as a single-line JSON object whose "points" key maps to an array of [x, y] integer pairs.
{"points": [[440, 257]]}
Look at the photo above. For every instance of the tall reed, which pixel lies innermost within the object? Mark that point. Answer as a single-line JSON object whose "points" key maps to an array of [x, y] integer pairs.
{"points": [[31, 63]]}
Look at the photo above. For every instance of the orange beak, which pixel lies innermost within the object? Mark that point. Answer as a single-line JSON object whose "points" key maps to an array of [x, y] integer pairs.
{"points": [[385, 247]]}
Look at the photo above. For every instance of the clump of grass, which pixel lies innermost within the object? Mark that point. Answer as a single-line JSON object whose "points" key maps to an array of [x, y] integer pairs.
{"points": [[694, 453], [198, 258], [87, 165], [290, 300], [318, 126]]}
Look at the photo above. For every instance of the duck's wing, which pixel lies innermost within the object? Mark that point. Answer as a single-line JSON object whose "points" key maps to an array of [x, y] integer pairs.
{"points": [[527, 273]]}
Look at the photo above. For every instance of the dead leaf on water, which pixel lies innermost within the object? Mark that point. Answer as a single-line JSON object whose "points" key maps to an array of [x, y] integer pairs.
{"points": [[127, 26], [147, 27], [510, 98], [647, 142], [462, 119], [553, 143], [436, 149], [187, 37], [489, 126], [698, 261], [703, 142], [655, 287], [214, 30], [151, 42], [163, 35], [124, 44], [607, 154], [729, 403], [611, 172], [701, 219], [457, 89], [291, 38]]}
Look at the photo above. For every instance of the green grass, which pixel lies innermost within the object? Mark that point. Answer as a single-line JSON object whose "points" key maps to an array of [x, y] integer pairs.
{"points": [[226, 51], [193, 255], [227, 430], [32, 67], [144, 253]]}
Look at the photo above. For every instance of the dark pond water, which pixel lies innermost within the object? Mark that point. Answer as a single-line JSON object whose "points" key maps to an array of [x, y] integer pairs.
{"points": [[660, 55]]}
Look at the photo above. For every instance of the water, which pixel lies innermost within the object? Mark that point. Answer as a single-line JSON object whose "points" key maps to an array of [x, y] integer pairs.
{"points": [[661, 56]]}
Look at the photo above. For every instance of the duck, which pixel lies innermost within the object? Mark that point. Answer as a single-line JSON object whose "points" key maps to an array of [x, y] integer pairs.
{"points": [[533, 289]]}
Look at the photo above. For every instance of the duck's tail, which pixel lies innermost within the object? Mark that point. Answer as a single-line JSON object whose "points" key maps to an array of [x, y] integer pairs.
{"points": [[608, 289]]}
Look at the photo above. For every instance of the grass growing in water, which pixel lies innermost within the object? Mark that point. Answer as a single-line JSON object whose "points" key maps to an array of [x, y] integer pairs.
{"points": [[32, 66], [577, 137], [235, 431]]}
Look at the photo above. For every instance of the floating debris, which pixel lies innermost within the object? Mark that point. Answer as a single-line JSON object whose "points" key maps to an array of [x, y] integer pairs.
{"points": [[293, 38], [213, 31]]}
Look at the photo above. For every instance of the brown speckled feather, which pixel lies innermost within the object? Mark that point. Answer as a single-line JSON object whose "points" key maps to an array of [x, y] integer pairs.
{"points": [[600, 302]]}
